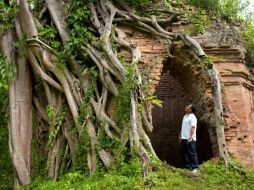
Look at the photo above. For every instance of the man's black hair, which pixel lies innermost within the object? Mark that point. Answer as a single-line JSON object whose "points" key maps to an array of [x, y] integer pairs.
{"points": [[193, 108]]}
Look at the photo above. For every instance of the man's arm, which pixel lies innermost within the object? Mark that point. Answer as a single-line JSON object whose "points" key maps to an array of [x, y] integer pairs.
{"points": [[193, 128], [191, 134]]}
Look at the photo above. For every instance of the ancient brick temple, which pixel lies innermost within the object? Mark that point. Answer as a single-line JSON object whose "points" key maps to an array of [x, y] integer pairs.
{"points": [[173, 75]]}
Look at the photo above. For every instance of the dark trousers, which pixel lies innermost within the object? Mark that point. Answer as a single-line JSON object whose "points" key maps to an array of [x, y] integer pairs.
{"points": [[189, 154]]}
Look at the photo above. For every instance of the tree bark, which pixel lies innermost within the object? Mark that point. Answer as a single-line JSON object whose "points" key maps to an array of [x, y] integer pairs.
{"points": [[20, 101], [86, 96]]}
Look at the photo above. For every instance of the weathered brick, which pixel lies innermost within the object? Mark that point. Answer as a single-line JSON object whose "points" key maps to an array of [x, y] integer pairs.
{"points": [[237, 91]]}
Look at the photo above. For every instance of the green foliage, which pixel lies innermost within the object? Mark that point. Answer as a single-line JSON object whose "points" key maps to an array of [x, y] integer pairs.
{"points": [[81, 30], [200, 20], [209, 5], [111, 145], [153, 100], [104, 141], [228, 9], [123, 98], [127, 176], [215, 58], [82, 151], [208, 61], [136, 4], [6, 72], [39, 162], [79, 21], [7, 13], [237, 177], [6, 175], [213, 176], [49, 34], [132, 167], [3, 107], [167, 3], [3, 74], [89, 93], [21, 45], [58, 124], [36, 6], [50, 112], [249, 37], [84, 137]]}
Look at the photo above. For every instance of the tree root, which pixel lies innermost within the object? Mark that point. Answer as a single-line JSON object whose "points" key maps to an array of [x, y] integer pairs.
{"points": [[55, 85]]}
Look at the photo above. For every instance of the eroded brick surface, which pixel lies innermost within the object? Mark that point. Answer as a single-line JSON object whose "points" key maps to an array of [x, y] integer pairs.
{"points": [[236, 80], [238, 104]]}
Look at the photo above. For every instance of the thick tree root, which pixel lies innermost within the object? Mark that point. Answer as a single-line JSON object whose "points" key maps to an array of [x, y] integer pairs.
{"points": [[55, 86]]}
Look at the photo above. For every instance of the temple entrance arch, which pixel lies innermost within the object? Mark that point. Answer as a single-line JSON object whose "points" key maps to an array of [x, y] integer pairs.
{"points": [[183, 82]]}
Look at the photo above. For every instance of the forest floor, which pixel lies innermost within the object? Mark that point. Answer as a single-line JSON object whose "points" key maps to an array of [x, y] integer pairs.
{"points": [[213, 176]]}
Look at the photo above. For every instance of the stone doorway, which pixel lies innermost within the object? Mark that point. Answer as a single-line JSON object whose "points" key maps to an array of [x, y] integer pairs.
{"points": [[167, 120]]}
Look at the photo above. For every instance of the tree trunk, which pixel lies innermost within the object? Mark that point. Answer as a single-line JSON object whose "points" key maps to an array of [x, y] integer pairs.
{"points": [[20, 101], [70, 101]]}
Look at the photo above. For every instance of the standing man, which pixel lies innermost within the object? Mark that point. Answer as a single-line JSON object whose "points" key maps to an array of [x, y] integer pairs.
{"points": [[188, 139]]}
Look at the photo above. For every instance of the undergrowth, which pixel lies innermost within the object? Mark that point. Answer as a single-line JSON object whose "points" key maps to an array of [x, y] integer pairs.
{"points": [[6, 174], [214, 175]]}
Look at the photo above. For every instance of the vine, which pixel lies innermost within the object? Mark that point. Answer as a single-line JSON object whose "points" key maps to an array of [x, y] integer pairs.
{"points": [[79, 65], [89, 94], [58, 124], [49, 35], [123, 98], [3, 74], [50, 112], [82, 151]]}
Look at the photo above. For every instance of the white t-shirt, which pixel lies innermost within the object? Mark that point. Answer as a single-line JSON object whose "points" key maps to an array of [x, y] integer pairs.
{"points": [[189, 120]]}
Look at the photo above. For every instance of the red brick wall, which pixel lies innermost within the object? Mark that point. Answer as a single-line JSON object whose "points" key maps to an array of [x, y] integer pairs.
{"points": [[154, 54], [167, 119], [167, 122], [188, 80], [236, 80], [237, 102]]}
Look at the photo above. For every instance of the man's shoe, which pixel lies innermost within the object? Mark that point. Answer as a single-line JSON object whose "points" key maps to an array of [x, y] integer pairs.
{"points": [[196, 170]]}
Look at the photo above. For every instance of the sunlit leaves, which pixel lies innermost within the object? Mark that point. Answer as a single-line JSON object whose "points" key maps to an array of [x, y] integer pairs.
{"points": [[57, 127], [79, 20], [49, 34], [136, 4], [229, 9], [7, 13], [123, 98], [249, 36], [200, 20], [3, 74]]}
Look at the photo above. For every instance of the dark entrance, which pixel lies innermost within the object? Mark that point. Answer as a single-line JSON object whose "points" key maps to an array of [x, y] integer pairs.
{"points": [[167, 122]]}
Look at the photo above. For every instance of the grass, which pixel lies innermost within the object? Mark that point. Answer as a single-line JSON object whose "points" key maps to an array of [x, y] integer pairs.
{"points": [[214, 175]]}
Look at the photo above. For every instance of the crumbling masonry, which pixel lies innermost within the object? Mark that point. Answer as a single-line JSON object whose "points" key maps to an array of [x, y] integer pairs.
{"points": [[172, 74]]}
